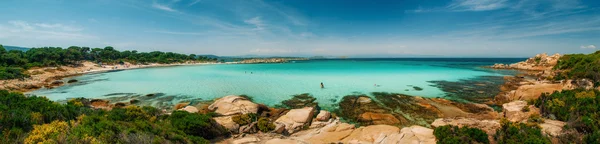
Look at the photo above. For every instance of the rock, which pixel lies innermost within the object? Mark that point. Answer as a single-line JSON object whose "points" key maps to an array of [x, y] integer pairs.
{"points": [[378, 118], [533, 91], [228, 123], [410, 135], [371, 133], [100, 104], [284, 141], [489, 126], [57, 82], [246, 140], [323, 115], [120, 105], [180, 105], [580, 83], [190, 109], [296, 119], [72, 81], [538, 63], [552, 127], [514, 112], [133, 101], [231, 105]]}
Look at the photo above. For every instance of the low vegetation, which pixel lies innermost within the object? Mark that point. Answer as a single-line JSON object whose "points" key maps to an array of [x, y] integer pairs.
{"points": [[577, 66], [14, 62], [520, 133], [39, 120], [579, 108], [455, 135]]}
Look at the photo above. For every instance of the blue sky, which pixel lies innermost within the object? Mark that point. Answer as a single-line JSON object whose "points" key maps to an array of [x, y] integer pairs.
{"points": [[455, 28]]}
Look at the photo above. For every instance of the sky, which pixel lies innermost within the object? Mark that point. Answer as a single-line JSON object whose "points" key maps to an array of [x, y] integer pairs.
{"points": [[370, 28]]}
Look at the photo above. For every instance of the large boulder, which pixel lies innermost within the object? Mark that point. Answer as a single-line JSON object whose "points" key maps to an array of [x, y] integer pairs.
{"points": [[552, 127], [410, 135], [190, 109], [228, 123], [323, 115], [489, 126], [371, 133], [232, 105], [515, 112], [296, 119]]}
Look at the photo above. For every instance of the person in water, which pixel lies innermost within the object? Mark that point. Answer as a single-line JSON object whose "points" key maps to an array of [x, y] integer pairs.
{"points": [[322, 86]]}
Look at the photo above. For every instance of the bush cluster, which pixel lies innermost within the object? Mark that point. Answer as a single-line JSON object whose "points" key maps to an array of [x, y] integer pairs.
{"points": [[455, 135], [39, 120], [576, 66], [579, 108]]}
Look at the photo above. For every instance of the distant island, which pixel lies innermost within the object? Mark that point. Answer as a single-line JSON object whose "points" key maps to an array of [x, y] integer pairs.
{"points": [[553, 100]]}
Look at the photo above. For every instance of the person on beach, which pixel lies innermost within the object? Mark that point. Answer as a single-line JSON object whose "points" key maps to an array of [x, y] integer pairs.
{"points": [[322, 86]]}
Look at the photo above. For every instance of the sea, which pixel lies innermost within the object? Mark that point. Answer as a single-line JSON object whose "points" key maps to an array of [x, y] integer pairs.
{"points": [[272, 83]]}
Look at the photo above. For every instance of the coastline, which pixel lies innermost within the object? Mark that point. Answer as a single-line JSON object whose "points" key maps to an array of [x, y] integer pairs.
{"points": [[51, 77]]}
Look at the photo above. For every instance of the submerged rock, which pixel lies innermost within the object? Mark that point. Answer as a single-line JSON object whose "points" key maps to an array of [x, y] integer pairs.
{"points": [[72, 81]]}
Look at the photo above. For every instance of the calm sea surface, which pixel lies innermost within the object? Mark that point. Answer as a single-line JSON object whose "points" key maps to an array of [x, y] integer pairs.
{"points": [[272, 83]]}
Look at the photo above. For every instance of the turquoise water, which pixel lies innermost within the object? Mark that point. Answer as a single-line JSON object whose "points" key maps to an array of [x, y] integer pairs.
{"points": [[272, 83]]}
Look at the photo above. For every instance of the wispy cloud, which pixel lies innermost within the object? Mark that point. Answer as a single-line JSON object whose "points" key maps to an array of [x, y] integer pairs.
{"points": [[41, 31], [194, 2], [588, 47], [58, 26], [163, 7], [477, 5], [257, 22]]}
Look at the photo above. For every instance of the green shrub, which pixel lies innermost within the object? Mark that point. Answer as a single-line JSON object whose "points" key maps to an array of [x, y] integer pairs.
{"points": [[455, 135], [196, 124], [265, 125], [576, 66], [244, 119], [518, 133]]}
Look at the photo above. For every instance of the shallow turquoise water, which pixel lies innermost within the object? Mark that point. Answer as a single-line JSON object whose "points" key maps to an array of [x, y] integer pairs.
{"points": [[272, 83]]}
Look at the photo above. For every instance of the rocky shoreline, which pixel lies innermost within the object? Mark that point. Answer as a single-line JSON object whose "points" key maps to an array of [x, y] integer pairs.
{"points": [[380, 118]]}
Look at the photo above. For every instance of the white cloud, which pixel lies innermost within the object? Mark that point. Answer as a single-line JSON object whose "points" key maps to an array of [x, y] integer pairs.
{"points": [[18, 29], [163, 7], [194, 2], [257, 22], [58, 26], [477, 5], [588, 47]]}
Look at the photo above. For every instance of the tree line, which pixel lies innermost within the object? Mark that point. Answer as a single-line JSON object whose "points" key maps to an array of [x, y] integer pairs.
{"points": [[13, 63]]}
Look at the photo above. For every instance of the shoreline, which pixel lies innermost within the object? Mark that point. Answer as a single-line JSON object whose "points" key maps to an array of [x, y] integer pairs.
{"points": [[52, 77]]}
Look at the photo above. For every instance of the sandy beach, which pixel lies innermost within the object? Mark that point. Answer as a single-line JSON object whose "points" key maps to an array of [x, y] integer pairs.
{"points": [[51, 77]]}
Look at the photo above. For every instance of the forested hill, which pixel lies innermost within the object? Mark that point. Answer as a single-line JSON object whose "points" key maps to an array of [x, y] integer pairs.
{"points": [[13, 63], [9, 48]]}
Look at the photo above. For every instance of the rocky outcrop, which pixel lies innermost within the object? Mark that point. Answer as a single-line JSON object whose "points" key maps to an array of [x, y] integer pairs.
{"points": [[518, 111], [190, 109], [489, 126], [540, 62], [410, 135], [228, 123], [552, 127], [232, 105], [323, 115], [246, 140], [296, 119]]}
